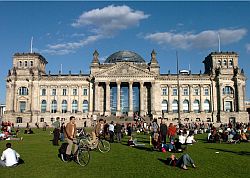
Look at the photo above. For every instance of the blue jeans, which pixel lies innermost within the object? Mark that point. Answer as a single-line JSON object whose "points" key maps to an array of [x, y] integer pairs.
{"points": [[184, 160]]}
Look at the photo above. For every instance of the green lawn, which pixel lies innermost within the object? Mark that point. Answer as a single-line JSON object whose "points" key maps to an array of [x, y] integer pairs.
{"points": [[41, 160]]}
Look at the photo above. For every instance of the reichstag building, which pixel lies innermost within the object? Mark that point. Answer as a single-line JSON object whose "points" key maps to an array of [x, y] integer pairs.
{"points": [[125, 85]]}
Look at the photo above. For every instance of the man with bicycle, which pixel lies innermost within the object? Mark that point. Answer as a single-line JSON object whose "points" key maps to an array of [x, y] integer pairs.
{"points": [[70, 136]]}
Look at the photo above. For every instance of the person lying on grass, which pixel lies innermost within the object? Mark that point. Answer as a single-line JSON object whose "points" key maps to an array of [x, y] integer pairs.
{"points": [[181, 162]]}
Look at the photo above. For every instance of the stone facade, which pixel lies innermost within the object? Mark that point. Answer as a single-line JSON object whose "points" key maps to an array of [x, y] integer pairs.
{"points": [[217, 95]]}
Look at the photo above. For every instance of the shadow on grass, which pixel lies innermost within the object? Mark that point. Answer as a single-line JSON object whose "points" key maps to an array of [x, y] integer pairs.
{"points": [[242, 153], [139, 147]]}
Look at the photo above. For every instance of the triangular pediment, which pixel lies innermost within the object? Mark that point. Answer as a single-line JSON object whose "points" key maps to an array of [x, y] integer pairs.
{"points": [[125, 69]]}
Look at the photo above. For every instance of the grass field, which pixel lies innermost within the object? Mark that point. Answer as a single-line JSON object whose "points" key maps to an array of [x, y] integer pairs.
{"points": [[41, 160]]}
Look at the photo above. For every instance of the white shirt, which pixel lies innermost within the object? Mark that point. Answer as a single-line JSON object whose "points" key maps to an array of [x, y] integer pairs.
{"points": [[182, 139], [10, 156], [111, 127], [190, 139]]}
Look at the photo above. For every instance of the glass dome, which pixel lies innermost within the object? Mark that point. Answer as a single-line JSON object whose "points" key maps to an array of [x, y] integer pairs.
{"points": [[124, 56]]}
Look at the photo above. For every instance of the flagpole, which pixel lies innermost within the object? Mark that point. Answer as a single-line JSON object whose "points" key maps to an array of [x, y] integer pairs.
{"points": [[31, 45], [219, 41]]}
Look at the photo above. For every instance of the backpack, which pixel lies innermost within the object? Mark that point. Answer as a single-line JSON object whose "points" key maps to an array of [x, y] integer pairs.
{"points": [[63, 148]]}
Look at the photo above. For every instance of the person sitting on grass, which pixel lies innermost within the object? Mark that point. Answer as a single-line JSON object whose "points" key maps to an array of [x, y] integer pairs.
{"points": [[178, 146], [10, 157], [182, 162]]}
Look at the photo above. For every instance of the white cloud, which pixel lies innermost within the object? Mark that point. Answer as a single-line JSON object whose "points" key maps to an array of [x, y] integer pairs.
{"points": [[110, 19], [248, 47], [101, 24], [69, 47], [77, 35], [204, 39]]}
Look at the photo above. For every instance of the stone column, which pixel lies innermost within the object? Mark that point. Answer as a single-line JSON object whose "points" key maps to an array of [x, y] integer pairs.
{"points": [[96, 97], [142, 113], [180, 100], [241, 97], [211, 109], [170, 98], [201, 98], [130, 113], [118, 106], [220, 97], [107, 112], [91, 101], [191, 98], [152, 90]]}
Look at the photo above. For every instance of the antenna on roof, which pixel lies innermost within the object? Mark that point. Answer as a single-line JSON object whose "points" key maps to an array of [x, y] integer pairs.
{"points": [[219, 40], [31, 45]]}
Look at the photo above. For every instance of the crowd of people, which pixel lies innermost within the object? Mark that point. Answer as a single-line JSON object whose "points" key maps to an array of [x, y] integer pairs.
{"points": [[172, 138]]}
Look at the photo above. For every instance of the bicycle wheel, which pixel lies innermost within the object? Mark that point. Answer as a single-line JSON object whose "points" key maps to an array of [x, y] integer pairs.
{"points": [[83, 156], [103, 146]]}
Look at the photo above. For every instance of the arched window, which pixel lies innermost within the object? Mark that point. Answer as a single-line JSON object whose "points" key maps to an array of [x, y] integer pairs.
{"points": [[54, 106], [85, 106], [224, 62], [196, 106], [43, 106], [74, 106], [64, 106], [23, 91], [219, 62], [25, 63], [228, 90], [185, 106], [20, 63], [231, 62], [31, 63], [175, 106], [206, 105], [164, 106]]}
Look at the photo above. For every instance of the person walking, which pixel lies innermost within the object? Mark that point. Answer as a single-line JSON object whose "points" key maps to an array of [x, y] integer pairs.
{"points": [[163, 132], [118, 132], [111, 131]]}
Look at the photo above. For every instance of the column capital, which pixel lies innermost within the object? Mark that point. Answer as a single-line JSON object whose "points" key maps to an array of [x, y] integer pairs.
{"points": [[107, 83], [141, 83], [131, 82], [118, 82]]}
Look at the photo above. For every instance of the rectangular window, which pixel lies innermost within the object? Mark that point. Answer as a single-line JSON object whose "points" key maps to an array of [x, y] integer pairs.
{"points": [[206, 91], [185, 91], [64, 92], [228, 106], [85, 91], [175, 92], [41, 119], [22, 105], [53, 92], [74, 91], [196, 91], [43, 92], [164, 91]]}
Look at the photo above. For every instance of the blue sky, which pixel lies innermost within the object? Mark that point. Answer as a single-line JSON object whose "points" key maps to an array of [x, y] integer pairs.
{"points": [[67, 33]]}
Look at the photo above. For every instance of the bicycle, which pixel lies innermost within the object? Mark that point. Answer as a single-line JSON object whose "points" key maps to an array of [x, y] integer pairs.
{"points": [[81, 156], [100, 144]]}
